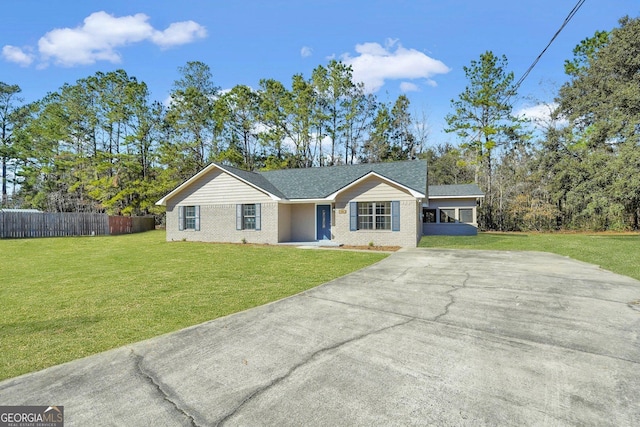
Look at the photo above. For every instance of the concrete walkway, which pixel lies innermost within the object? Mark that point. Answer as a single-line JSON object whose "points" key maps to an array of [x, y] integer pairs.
{"points": [[425, 337]]}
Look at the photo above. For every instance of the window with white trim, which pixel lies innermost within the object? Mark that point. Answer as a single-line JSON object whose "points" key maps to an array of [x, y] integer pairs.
{"points": [[374, 215], [428, 215], [249, 217], [465, 215], [447, 215], [189, 218]]}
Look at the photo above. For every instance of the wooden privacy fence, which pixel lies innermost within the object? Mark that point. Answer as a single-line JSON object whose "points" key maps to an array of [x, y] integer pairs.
{"points": [[131, 224], [15, 225]]}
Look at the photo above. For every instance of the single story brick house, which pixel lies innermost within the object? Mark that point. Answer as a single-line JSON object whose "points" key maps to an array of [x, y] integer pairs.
{"points": [[381, 203]]}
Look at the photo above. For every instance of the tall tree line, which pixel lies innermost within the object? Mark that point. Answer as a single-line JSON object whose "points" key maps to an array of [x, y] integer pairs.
{"points": [[592, 165], [102, 145]]}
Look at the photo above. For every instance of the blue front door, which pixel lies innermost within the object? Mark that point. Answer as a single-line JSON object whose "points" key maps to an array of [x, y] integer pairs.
{"points": [[323, 221]]}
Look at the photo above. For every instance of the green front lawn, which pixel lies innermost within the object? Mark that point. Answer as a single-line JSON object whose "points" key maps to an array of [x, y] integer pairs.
{"points": [[65, 298], [619, 253]]}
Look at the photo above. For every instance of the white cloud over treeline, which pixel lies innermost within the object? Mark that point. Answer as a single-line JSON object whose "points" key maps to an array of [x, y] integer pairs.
{"points": [[541, 115], [98, 39], [374, 64]]}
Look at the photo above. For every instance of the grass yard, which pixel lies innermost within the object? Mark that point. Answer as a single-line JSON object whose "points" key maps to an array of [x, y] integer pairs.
{"points": [[619, 253], [65, 298]]}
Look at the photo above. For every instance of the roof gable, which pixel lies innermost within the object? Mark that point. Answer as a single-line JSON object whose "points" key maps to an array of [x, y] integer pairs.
{"points": [[374, 174], [243, 176]]}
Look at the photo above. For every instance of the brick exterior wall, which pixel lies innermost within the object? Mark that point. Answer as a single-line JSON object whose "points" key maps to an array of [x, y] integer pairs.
{"points": [[406, 237], [218, 224]]}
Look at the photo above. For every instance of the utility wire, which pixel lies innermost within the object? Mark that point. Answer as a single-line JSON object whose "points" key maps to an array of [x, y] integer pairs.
{"points": [[564, 24], [516, 86]]}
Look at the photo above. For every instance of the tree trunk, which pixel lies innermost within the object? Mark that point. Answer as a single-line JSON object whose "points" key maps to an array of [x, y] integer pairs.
{"points": [[5, 198], [4, 166]]}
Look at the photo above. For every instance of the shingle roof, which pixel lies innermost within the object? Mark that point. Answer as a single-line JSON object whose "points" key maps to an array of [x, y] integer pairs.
{"points": [[316, 183], [457, 190]]}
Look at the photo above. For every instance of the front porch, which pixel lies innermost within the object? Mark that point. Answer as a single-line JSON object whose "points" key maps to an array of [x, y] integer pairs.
{"points": [[306, 223]]}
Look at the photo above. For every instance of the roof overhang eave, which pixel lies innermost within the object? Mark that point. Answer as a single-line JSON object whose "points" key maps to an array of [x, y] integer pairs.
{"points": [[307, 201], [469, 196]]}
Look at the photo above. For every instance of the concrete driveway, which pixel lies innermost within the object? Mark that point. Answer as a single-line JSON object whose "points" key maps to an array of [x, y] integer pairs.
{"points": [[425, 337]]}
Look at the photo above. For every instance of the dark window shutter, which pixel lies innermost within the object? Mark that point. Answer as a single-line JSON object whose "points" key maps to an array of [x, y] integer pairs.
{"points": [[197, 218], [258, 216], [180, 218], [238, 217], [353, 216], [395, 216]]}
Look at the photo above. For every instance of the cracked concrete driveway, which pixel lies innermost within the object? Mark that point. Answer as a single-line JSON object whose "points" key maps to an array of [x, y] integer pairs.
{"points": [[425, 337]]}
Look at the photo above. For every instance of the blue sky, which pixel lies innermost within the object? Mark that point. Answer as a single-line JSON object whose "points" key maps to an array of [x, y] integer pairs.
{"points": [[413, 47]]}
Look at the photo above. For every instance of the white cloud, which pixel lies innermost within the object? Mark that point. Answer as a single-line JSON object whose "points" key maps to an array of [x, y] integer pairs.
{"points": [[306, 51], [535, 112], [17, 55], [375, 64], [540, 115], [168, 101], [179, 33], [409, 87], [101, 34], [374, 49]]}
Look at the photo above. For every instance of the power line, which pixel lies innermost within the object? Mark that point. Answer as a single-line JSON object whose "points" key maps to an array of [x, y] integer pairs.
{"points": [[516, 86], [564, 24]]}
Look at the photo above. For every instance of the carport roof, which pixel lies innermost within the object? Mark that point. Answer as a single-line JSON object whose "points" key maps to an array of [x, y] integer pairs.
{"points": [[456, 190]]}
